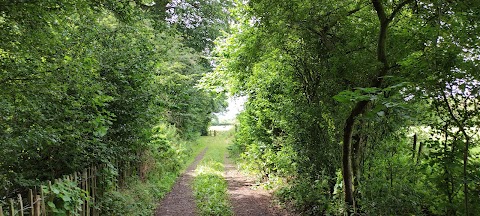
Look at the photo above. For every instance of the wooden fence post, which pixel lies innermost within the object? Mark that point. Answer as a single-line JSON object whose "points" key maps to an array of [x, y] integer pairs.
{"points": [[35, 202], [94, 181], [20, 200], [88, 191], [12, 208], [37, 205], [85, 186], [82, 182], [30, 197], [93, 185], [50, 191], [44, 209]]}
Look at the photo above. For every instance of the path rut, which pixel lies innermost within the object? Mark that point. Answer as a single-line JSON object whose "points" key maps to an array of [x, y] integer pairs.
{"points": [[180, 200]]}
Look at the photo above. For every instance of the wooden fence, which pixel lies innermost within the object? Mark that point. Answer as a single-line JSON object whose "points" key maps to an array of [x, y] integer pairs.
{"points": [[212, 133], [36, 202]]}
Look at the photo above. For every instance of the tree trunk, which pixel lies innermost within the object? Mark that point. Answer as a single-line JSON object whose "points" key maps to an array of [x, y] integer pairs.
{"points": [[347, 156], [361, 106], [358, 154], [465, 176], [414, 147], [347, 171]]}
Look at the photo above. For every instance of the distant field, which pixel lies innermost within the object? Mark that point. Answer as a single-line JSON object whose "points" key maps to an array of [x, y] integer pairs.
{"points": [[221, 127]]}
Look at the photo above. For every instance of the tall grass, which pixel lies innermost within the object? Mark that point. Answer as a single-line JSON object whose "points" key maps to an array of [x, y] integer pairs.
{"points": [[209, 185]]}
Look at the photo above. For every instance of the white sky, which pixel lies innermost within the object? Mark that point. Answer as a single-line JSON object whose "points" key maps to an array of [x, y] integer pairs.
{"points": [[235, 106]]}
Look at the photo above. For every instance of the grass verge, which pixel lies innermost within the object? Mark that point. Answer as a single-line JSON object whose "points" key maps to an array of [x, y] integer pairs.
{"points": [[209, 185]]}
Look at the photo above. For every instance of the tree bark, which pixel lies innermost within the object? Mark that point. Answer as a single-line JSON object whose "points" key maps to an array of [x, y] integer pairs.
{"points": [[414, 148], [358, 147], [347, 157]]}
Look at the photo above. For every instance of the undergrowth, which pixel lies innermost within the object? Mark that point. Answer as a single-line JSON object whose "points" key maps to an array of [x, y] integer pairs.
{"points": [[162, 168]]}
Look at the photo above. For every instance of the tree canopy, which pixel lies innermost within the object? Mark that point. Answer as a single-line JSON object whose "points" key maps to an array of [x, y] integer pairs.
{"points": [[365, 107], [87, 82], [372, 102]]}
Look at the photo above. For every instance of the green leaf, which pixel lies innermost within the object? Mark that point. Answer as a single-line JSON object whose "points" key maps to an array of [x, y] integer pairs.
{"points": [[51, 204], [55, 190], [381, 113], [66, 198], [67, 58], [101, 131]]}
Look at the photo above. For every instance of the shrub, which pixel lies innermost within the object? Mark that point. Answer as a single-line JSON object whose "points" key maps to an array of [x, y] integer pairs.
{"points": [[65, 197]]}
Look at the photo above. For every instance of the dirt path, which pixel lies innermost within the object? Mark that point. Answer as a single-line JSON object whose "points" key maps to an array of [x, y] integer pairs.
{"points": [[180, 200], [245, 200]]}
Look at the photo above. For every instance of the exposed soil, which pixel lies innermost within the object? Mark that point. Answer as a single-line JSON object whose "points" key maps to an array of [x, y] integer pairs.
{"points": [[180, 201], [245, 200]]}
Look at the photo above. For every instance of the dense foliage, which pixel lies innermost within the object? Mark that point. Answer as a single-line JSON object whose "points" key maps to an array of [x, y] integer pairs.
{"points": [[359, 106], [365, 106], [86, 82]]}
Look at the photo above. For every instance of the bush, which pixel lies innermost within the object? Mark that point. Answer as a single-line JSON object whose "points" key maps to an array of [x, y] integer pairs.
{"points": [[65, 197], [139, 198], [306, 195], [162, 161]]}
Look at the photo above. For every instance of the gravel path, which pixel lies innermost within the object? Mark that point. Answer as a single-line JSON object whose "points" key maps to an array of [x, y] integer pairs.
{"points": [[245, 200], [180, 201]]}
